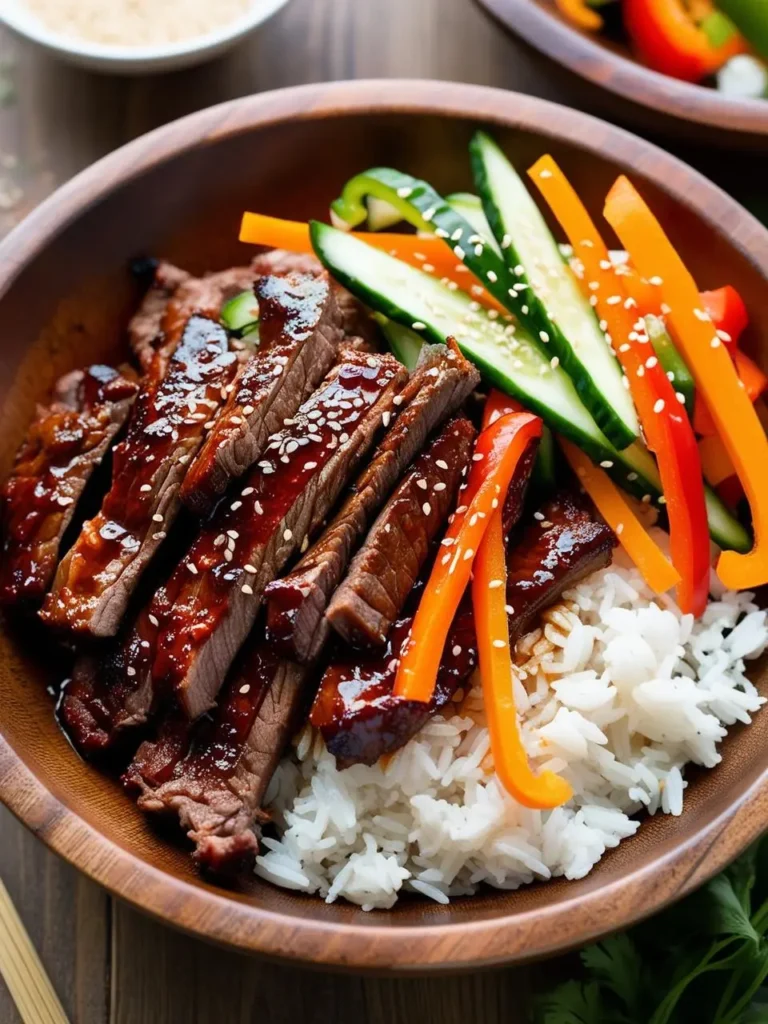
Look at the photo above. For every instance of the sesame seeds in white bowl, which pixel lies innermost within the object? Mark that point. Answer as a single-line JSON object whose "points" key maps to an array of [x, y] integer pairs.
{"points": [[136, 36]]}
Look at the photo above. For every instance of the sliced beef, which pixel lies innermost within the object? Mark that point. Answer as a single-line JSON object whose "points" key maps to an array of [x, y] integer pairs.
{"points": [[146, 326], [355, 318], [183, 643], [170, 419], [203, 296], [300, 331], [217, 788], [67, 441], [297, 603], [385, 570], [354, 709]]}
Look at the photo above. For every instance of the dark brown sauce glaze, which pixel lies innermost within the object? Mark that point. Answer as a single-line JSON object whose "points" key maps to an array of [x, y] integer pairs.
{"points": [[194, 601], [291, 310], [170, 418], [62, 448], [354, 709]]}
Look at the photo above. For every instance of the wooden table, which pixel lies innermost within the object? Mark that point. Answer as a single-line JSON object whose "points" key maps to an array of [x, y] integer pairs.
{"points": [[108, 963]]}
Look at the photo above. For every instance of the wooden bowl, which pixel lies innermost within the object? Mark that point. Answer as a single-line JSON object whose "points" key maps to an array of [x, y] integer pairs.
{"points": [[65, 297], [675, 105]]}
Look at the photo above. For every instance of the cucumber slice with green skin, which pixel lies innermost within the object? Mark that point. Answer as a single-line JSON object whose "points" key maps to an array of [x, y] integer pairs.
{"points": [[405, 343], [429, 212], [559, 310], [672, 362], [240, 315], [469, 206], [504, 353]]}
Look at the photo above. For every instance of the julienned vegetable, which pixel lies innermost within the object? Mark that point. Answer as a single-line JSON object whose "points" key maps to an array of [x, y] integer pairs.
{"points": [[504, 353], [666, 425], [571, 333], [716, 378], [510, 760], [657, 570], [497, 453]]}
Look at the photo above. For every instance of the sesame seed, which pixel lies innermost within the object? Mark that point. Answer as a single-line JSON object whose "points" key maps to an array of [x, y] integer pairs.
{"points": [[246, 589], [509, 609], [640, 371], [724, 336], [304, 544], [208, 425], [228, 555], [524, 310], [154, 620], [593, 300], [422, 484], [469, 553], [495, 584], [632, 477], [606, 464], [619, 529], [192, 568], [630, 303], [554, 362], [657, 281], [233, 534], [651, 361], [715, 343], [249, 568], [439, 486], [404, 192], [593, 286], [499, 643], [426, 508], [385, 418], [545, 174], [459, 252], [700, 314], [310, 465], [456, 650], [245, 688], [146, 487], [544, 336], [247, 410], [235, 505], [613, 300], [680, 397], [236, 420], [659, 405], [478, 457], [157, 518], [418, 325], [287, 534]]}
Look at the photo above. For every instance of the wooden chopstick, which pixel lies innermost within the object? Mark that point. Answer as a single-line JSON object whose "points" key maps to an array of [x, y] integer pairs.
{"points": [[23, 972]]}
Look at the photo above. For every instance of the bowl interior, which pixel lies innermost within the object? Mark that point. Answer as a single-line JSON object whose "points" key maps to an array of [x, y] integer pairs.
{"points": [[69, 305]]}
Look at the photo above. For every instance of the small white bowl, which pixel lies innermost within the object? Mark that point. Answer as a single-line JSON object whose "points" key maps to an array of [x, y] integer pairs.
{"points": [[135, 60]]}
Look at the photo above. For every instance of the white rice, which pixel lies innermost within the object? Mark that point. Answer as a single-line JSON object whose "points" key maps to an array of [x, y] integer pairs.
{"points": [[617, 691]]}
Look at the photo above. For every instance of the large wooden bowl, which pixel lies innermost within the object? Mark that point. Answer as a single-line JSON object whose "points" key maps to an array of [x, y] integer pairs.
{"points": [[64, 300], [670, 106]]}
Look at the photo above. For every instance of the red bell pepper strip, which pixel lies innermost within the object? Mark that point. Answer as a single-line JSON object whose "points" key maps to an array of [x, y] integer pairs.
{"points": [[666, 36], [714, 372], [665, 421], [497, 405], [728, 312], [497, 453], [513, 769]]}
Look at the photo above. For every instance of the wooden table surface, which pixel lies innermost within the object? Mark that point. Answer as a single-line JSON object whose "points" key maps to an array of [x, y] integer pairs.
{"points": [[108, 963]]}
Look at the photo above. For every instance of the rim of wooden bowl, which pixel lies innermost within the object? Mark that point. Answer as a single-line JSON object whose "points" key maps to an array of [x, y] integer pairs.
{"points": [[215, 915], [590, 58]]}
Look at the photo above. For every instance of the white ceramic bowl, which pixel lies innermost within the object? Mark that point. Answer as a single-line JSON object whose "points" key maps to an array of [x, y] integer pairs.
{"points": [[136, 60]]}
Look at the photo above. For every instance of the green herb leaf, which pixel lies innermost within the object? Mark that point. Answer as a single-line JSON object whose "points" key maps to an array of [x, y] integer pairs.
{"points": [[573, 1003], [617, 965]]}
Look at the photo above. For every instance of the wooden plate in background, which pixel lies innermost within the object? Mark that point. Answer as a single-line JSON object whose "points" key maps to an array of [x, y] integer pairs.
{"points": [[703, 114], [65, 297]]}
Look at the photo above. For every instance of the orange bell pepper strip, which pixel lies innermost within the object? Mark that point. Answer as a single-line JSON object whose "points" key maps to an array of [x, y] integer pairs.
{"points": [[543, 791], [665, 422], [751, 376], [497, 453], [429, 254], [656, 569], [579, 13], [714, 372], [715, 460], [645, 295]]}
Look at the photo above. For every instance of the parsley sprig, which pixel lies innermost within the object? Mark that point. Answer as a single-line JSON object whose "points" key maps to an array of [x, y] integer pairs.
{"points": [[703, 961]]}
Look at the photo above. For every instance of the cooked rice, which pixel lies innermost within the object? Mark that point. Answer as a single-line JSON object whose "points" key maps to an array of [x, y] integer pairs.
{"points": [[617, 691]]}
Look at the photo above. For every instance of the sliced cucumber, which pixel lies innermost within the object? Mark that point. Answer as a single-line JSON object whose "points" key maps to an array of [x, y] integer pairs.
{"points": [[672, 362], [560, 311], [405, 343], [382, 215], [470, 207], [240, 315], [504, 353]]}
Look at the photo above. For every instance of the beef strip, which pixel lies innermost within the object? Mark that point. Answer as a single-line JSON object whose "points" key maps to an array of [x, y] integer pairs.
{"points": [[297, 603], [67, 441], [217, 788], [300, 331], [356, 321], [184, 642], [146, 326], [385, 570], [170, 418], [354, 709]]}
